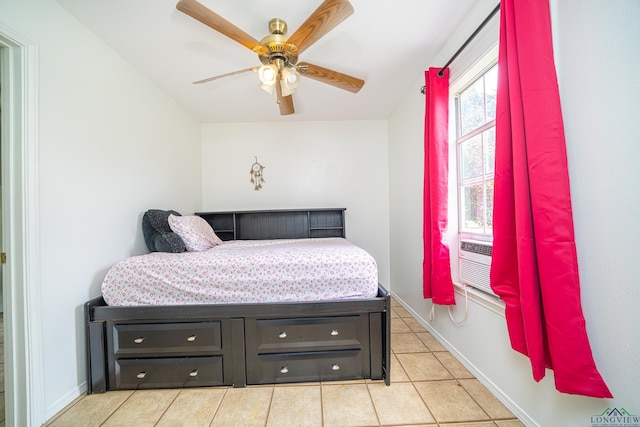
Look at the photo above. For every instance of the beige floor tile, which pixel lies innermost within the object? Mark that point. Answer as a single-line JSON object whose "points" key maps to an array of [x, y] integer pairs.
{"points": [[244, 407], [296, 406], [398, 325], [471, 424], [347, 405], [399, 403], [402, 312], [407, 342], [310, 383], [509, 423], [449, 402], [345, 382], [432, 343], [142, 408], [452, 364], [414, 325], [91, 410], [486, 399], [193, 407], [416, 425], [423, 367], [398, 375]]}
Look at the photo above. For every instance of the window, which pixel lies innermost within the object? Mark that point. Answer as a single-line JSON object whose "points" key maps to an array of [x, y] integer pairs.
{"points": [[472, 111], [475, 141]]}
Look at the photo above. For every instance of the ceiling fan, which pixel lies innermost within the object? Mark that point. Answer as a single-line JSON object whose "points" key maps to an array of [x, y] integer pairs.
{"points": [[278, 53]]}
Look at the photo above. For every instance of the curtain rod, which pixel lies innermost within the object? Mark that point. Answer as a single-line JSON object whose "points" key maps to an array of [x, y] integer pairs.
{"points": [[466, 43]]}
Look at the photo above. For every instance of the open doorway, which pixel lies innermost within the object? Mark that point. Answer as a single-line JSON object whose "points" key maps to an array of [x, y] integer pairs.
{"points": [[23, 365], [2, 412], [2, 351]]}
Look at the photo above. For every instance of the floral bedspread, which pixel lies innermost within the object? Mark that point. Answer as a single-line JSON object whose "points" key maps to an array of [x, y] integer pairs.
{"points": [[249, 271]]}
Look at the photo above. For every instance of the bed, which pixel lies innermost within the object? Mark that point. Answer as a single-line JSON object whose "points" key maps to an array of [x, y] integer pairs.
{"points": [[186, 337]]}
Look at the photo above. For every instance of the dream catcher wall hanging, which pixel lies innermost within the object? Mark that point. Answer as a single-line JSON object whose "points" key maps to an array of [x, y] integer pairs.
{"points": [[257, 177]]}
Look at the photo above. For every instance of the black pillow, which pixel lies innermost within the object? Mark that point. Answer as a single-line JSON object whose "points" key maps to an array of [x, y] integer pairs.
{"points": [[157, 233]]}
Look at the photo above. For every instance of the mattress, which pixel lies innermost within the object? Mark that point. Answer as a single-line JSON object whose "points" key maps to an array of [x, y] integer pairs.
{"points": [[245, 271]]}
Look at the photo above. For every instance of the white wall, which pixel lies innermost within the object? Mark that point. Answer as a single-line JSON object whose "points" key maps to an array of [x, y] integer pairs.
{"points": [[307, 165], [597, 49], [111, 145]]}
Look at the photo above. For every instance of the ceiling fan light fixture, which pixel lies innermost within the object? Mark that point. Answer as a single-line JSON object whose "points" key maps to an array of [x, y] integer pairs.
{"points": [[290, 81], [266, 88], [268, 75]]}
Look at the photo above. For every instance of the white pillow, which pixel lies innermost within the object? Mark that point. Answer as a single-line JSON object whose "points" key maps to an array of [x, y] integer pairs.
{"points": [[195, 232]]}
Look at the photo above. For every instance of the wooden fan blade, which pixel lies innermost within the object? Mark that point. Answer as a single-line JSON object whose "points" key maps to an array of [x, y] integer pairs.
{"points": [[331, 77], [208, 17], [233, 73], [284, 102], [328, 15]]}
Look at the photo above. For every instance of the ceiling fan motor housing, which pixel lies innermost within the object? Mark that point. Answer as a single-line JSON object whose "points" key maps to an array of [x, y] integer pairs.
{"points": [[280, 52]]}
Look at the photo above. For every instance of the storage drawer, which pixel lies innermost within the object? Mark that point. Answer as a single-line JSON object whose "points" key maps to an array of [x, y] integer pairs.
{"points": [[312, 366], [308, 334], [166, 338], [168, 372]]}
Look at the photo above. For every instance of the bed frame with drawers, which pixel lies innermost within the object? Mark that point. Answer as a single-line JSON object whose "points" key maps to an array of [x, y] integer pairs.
{"points": [[242, 344]]}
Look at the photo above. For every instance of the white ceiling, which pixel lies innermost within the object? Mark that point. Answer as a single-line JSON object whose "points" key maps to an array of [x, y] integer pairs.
{"points": [[387, 43]]}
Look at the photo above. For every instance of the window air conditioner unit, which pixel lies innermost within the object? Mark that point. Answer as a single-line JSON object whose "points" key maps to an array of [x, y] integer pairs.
{"points": [[475, 263]]}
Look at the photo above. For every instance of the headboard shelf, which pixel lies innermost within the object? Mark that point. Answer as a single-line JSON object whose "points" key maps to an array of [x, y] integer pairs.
{"points": [[281, 224]]}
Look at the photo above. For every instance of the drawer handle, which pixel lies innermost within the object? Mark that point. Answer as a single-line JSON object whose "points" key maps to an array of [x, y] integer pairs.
{"points": [[334, 332], [335, 367], [141, 375], [193, 373], [138, 340], [284, 370], [191, 338], [282, 334]]}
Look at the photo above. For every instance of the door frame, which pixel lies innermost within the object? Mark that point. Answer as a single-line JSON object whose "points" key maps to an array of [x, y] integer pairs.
{"points": [[24, 367]]}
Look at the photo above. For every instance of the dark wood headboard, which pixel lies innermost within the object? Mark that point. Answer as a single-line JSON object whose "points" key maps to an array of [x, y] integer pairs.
{"points": [[277, 224]]}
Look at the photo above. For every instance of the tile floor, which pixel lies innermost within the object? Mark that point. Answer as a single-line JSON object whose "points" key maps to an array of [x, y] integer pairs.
{"points": [[429, 387]]}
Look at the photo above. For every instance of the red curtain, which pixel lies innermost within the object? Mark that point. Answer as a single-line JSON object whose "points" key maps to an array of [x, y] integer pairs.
{"points": [[534, 267], [436, 268]]}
